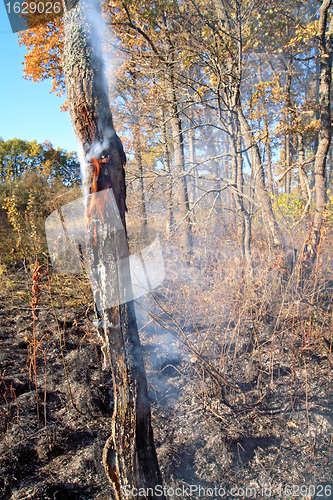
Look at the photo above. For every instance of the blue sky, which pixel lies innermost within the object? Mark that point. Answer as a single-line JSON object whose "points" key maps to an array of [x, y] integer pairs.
{"points": [[27, 110]]}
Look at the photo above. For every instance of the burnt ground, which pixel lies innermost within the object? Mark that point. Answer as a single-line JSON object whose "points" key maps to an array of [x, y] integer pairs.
{"points": [[264, 427]]}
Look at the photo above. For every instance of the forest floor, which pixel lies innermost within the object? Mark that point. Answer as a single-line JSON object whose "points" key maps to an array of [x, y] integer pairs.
{"points": [[240, 408]]}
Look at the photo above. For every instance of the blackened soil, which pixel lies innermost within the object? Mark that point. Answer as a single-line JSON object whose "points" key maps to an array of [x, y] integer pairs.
{"points": [[264, 427]]}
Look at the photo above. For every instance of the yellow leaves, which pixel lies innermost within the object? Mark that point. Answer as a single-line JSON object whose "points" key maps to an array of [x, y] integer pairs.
{"points": [[187, 61], [14, 216], [206, 33], [131, 41], [201, 91], [292, 424], [268, 91], [213, 80], [313, 126], [304, 34]]}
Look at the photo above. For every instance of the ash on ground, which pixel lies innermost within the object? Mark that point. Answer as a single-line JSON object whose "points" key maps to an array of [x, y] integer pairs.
{"points": [[235, 411]]}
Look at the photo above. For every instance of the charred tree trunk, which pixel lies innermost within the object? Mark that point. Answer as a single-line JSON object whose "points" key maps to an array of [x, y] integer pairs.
{"points": [[129, 455], [325, 134]]}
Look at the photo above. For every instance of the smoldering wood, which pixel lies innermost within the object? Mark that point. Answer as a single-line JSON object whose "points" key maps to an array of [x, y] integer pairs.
{"points": [[129, 455]]}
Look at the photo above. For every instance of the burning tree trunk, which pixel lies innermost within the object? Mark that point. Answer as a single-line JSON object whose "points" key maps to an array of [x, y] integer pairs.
{"points": [[129, 455]]}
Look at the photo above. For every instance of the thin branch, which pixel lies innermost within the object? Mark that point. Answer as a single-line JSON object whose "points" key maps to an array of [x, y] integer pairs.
{"points": [[300, 165]]}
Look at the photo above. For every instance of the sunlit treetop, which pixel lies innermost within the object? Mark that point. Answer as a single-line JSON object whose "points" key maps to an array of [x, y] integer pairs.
{"points": [[44, 45]]}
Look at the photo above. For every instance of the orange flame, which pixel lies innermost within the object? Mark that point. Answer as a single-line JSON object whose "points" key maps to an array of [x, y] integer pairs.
{"points": [[93, 189], [96, 203], [97, 165]]}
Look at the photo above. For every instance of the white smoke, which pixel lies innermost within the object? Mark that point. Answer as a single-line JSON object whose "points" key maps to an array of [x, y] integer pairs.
{"points": [[100, 38]]}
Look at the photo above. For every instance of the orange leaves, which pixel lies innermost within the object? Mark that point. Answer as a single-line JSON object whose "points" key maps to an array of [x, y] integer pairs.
{"points": [[269, 90], [36, 291], [64, 107], [44, 45]]}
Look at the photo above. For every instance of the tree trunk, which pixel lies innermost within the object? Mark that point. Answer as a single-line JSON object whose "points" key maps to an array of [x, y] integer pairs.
{"points": [[330, 167], [246, 234], [170, 217], [325, 134], [231, 99], [243, 218], [193, 169], [288, 109], [129, 455], [301, 173], [219, 170], [179, 157], [259, 181], [268, 149], [138, 159], [317, 111], [139, 165]]}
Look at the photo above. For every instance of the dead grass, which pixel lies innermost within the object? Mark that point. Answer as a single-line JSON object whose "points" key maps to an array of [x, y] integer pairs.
{"points": [[239, 369]]}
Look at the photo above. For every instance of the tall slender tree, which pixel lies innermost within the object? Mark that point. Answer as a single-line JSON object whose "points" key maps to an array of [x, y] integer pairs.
{"points": [[325, 38]]}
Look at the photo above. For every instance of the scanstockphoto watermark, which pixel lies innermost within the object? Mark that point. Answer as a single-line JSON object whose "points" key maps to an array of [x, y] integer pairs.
{"points": [[113, 282], [183, 491], [297, 491], [192, 491]]}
